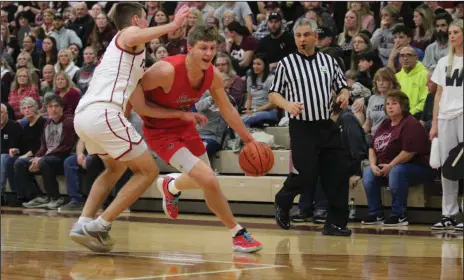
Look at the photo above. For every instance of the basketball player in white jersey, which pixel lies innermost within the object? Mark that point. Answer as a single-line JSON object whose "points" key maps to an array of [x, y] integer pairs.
{"points": [[99, 121]]}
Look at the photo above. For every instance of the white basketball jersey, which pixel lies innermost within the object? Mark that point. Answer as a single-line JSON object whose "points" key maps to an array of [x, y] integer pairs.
{"points": [[115, 77]]}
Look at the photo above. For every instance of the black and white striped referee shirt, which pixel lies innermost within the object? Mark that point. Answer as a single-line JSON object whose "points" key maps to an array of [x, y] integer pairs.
{"points": [[309, 80]]}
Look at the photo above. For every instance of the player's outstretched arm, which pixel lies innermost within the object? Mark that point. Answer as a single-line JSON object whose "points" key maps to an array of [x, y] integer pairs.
{"points": [[228, 112], [134, 36]]}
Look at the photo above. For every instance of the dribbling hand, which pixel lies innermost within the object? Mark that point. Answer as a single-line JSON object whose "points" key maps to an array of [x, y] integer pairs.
{"points": [[294, 108], [180, 16], [195, 118]]}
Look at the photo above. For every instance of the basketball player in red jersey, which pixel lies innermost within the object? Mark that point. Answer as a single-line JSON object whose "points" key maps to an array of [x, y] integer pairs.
{"points": [[178, 82]]}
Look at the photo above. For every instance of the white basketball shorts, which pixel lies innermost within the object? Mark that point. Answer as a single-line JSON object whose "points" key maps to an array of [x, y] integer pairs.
{"points": [[106, 132]]}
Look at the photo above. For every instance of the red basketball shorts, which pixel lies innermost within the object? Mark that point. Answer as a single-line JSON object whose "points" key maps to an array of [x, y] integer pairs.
{"points": [[165, 142]]}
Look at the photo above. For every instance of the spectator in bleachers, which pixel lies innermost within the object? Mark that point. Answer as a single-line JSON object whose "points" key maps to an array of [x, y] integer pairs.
{"points": [[263, 27], [325, 44], [49, 52], [102, 34], [227, 18], [22, 87], [435, 7], [448, 119], [61, 6], [327, 19], [8, 46], [400, 152], [47, 25], [85, 73], [151, 8], [424, 31], [24, 60], [206, 10], [67, 90], [403, 38], [258, 109], [39, 35], [237, 89], [65, 63], [69, 16], [440, 48], [10, 8], [413, 80], [7, 78], [95, 11], [161, 17], [278, 44], [406, 14], [427, 113], [57, 141], [176, 44], [369, 63], [357, 90], [32, 128], [352, 26], [64, 36], [213, 132], [361, 44], [160, 52], [242, 11], [23, 27], [458, 13], [46, 84], [241, 46], [368, 21], [29, 47], [72, 165], [383, 38], [193, 19], [84, 23], [384, 82], [11, 136], [75, 51]]}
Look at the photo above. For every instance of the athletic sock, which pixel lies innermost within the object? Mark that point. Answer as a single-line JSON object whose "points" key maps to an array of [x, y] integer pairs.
{"points": [[172, 188], [99, 224], [84, 220], [235, 230]]}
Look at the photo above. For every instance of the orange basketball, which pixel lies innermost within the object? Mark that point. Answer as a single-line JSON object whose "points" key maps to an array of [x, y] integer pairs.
{"points": [[256, 159]]}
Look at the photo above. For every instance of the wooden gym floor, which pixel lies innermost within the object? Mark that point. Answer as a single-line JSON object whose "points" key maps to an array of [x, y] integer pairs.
{"points": [[35, 245]]}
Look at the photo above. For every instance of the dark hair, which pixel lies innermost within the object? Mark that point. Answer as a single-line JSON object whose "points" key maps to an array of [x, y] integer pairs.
{"points": [[123, 13], [32, 37], [238, 28], [202, 33], [401, 28], [53, 98], [261, 56], [53, 54], [399, 96], [160, 9], [445, 16]]}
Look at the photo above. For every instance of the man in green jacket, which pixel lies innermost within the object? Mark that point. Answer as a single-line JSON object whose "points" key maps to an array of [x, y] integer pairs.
{"points": [[413, 80]]}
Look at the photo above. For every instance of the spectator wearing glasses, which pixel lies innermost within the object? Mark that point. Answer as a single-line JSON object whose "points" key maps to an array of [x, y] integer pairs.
{"points": [[403, 38], [413, 80]]}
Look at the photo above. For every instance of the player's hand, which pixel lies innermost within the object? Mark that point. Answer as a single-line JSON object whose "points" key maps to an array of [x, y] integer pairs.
{"points": [[433, 132], [294, 108], [195, 118], [343, 99], [180, 16]]}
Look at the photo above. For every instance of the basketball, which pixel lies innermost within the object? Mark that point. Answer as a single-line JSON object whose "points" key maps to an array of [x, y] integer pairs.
{"points": [[256, 159]]}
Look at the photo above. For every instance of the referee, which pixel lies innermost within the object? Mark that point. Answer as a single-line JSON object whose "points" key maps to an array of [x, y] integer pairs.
{"points": [[303, 86]]}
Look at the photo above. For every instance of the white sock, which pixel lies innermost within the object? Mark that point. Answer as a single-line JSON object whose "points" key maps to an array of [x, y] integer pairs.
{"points": [[84, 220], [235, 229], [172, 188], [99, 224]]}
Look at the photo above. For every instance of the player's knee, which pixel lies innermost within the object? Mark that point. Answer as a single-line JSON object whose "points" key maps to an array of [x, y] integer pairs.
{"points": [[209, 182], [148, 169]]}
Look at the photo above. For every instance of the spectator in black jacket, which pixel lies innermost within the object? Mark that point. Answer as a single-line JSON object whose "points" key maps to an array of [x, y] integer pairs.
{"points": [[325, 44], [11, 135], [32, 129], [355, 144], [84, 23]]}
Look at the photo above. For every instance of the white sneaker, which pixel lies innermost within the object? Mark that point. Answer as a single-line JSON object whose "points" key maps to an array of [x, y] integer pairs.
{"points": [[446, 223], [459, 227]]}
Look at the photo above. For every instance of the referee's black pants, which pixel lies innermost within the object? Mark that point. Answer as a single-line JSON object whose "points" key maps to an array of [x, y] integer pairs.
{"points": [[317, 151]]}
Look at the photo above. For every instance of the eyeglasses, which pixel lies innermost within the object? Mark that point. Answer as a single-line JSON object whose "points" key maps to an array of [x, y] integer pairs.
{"points": [[408, 55]]}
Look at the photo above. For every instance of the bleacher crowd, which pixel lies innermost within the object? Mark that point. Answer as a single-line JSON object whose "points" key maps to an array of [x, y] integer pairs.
{"points": [[388, 50]]}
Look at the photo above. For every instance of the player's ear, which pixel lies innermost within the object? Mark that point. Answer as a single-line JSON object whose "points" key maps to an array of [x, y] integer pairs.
{"points": [[189, 48]]}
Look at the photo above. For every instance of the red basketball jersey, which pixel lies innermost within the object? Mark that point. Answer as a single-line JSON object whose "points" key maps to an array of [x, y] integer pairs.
{"points": [[181, 96]]}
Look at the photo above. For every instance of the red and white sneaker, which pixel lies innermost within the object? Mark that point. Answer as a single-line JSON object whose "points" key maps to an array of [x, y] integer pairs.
{"points": [[170, 201], [244, 243]]}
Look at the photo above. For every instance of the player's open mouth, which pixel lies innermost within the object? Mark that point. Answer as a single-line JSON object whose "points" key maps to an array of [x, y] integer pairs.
{"points": [[206, 60]]}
